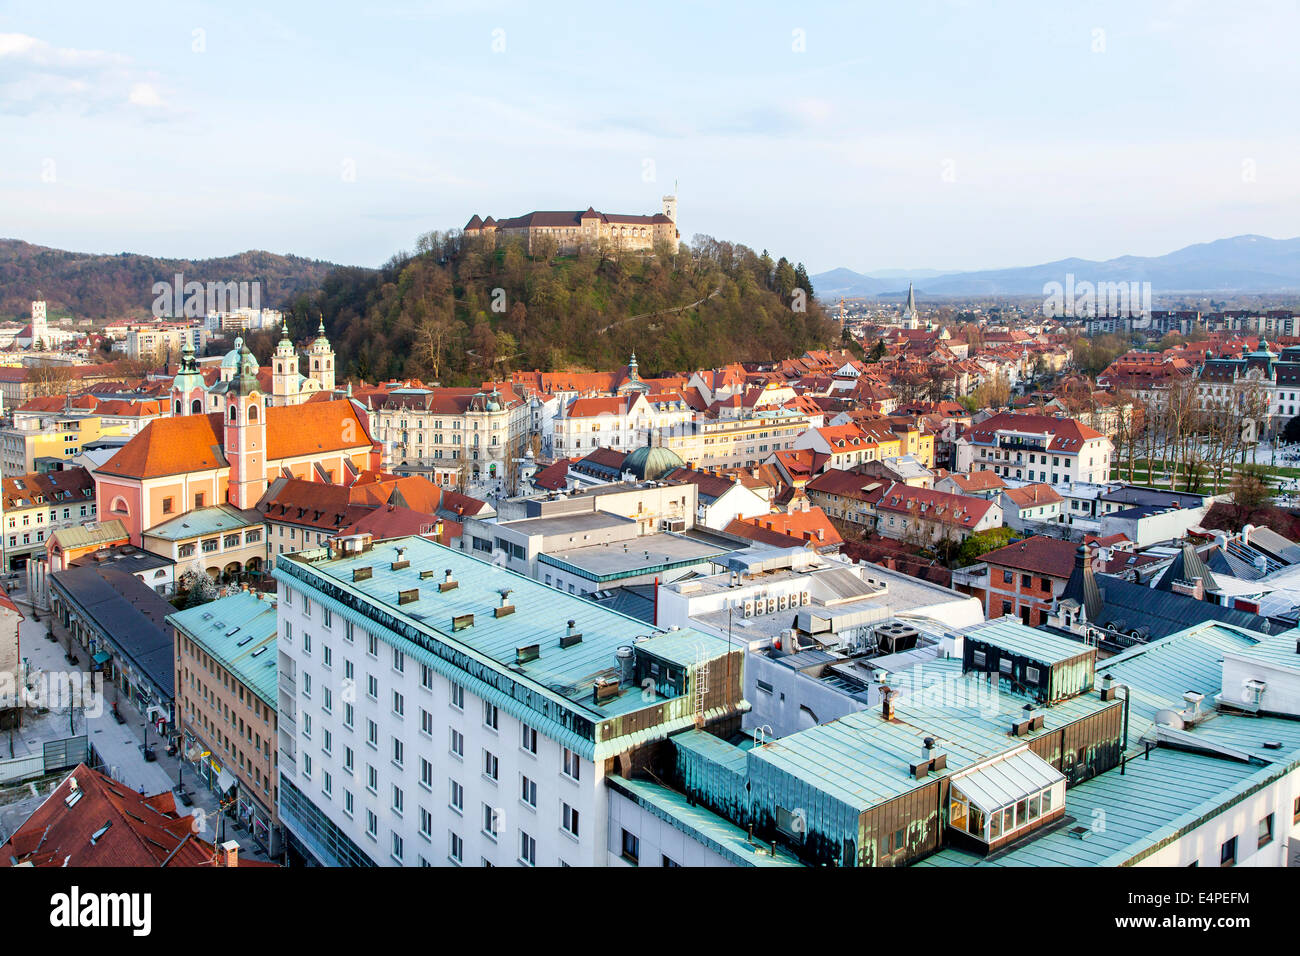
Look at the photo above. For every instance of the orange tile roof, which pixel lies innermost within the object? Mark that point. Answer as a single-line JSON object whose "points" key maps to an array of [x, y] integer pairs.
{"points": [[189, 443]]}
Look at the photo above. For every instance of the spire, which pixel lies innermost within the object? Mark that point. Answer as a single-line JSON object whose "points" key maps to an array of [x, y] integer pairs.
{"points": [[910, 308]]}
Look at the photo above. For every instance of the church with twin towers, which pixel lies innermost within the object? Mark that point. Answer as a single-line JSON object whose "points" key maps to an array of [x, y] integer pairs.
{"points": [[282, 384]]}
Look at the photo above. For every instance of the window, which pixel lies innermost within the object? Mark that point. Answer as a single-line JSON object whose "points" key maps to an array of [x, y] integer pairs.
{"points": [[372, 733], [528, 738], [399, 752], [457, 797], [426, 823], [399, 704], [669, 861], [490, 716], [372, 645], [426, 722], [489, 821], [491, 766], [1265, 831], [397, 847], [399, 800], [347, 759], [426, 774], [399, 661], [457, 742], [347, 802], [372, 687], [426, 677], [569, 820], [372, 824], [456, 852], [372, 779], [528, 791], [1228, 853], [572, 764], [457, 696], [527, 849], [631, 847]]}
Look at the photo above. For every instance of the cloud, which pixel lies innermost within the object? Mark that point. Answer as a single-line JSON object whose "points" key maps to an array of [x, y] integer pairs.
{"points": [[38, 77]]}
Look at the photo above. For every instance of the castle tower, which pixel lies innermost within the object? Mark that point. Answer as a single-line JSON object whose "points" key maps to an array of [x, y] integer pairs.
{"points": [[244, 415], [320, 360], [670, 207], [284, 371], [188, 390]]}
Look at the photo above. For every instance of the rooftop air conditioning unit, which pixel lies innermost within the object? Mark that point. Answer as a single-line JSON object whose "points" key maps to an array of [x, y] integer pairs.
{"points": [[749, 609]]}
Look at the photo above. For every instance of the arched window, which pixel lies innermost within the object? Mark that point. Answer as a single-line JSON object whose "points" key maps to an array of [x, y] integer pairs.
{"points": [[119, 506], [252, 413], [196, 406], [178, 406], [233, 416]]}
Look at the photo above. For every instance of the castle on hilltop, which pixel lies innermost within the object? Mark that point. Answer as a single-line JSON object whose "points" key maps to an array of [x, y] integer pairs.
{"points": [[575, 230]]}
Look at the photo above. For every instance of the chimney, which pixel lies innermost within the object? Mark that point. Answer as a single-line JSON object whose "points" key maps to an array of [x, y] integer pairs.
{"points": [[228, 854], [887, 702]]}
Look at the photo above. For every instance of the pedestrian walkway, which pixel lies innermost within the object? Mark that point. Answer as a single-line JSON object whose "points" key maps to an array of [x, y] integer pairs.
{"points": [[120, 746]]}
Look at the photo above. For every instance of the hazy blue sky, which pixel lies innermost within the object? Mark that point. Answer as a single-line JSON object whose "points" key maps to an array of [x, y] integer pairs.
{"points": [[921, 134]]}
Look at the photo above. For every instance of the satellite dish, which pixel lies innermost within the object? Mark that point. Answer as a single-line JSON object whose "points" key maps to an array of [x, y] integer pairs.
{"points": [[1169, 718]]}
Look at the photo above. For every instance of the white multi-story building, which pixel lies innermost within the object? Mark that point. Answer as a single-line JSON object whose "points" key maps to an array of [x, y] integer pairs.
{"points": [[439, 710], [1035, 448]]}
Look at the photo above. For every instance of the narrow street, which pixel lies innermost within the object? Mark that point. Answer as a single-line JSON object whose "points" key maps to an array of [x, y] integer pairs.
{"points": [[120, 746]]}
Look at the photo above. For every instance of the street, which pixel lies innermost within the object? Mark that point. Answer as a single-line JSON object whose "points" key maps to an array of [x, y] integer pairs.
{"points": [[120, 746]]}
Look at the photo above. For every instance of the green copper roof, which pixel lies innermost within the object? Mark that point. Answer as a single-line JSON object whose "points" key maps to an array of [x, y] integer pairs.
{"points": [[239, 631]]}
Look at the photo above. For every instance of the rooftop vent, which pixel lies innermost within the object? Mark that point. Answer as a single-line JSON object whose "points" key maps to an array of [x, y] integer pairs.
{"points": [[409, 596], [571, 636], [528, 652], [505, 607], [462, 621], [362, 574], [604, 689], [448, 584]]}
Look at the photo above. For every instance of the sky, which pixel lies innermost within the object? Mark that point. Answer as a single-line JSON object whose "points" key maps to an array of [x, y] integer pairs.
{"points": [[873, 135]]}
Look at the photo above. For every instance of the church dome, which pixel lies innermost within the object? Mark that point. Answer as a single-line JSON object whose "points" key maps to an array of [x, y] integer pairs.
{"points": [[232, 357], [650, 462]]}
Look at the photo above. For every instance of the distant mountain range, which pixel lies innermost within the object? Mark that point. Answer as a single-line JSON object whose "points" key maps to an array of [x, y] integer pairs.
{"points": [[1240, 264], [90, 285]]}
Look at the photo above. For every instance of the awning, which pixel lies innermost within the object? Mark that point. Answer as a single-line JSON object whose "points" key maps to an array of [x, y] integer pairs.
{"points": [[225, 780], [103, 657]]}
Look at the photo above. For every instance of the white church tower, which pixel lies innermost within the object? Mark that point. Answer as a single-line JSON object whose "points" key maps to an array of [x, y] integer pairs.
{"points": [[320, 360], [284, 371]]}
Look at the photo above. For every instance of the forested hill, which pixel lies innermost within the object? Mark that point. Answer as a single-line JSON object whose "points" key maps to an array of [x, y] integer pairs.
{"points": [[459, 312], [89, 285]]}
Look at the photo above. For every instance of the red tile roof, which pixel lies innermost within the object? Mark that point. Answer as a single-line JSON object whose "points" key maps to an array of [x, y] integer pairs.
{"points": [[1036, 555], [1031, 496], [109, 824]]}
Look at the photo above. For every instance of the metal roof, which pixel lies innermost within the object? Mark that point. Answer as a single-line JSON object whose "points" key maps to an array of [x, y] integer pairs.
{"points": [[715, 832], [215, 519], [1010, 635], [239, 631], [1159, 673], [540, 617], [1148, 805], [1279, 650]]}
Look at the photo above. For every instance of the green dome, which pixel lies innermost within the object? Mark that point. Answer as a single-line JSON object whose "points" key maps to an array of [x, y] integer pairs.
{"points": [[650, 462]]}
